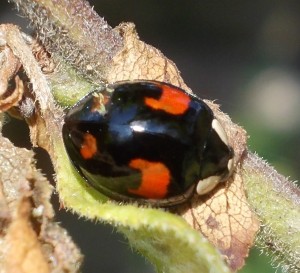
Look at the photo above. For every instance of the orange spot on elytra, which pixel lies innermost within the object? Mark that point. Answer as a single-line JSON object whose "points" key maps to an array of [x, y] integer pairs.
{"points": [[88, 146], [155, 179], [172, 101]]}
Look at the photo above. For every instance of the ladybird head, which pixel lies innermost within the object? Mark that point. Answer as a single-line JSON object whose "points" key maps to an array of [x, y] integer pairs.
{"points": [[217, 159]]}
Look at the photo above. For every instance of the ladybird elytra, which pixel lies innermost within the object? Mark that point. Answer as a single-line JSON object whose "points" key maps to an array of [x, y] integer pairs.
{"points": [[147, 141]]}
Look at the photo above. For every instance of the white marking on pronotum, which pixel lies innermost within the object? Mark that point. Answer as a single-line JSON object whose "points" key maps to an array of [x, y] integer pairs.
{"points": [[206, 185], [223, 136], [230, 165], [219, 130]]}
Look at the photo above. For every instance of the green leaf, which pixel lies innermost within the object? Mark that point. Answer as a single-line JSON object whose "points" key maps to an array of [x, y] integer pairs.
{"points": [[164, 238]]}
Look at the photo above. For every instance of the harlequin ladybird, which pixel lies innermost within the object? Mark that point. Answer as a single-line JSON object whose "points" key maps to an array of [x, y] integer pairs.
{"points": [[147, 141]]}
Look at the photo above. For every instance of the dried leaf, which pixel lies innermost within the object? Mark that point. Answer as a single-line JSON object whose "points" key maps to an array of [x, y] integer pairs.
{"points": [[137, 60], [225, 218], [48, 111], [30, 240], [22, 243], [43, 57], [9, 66]]}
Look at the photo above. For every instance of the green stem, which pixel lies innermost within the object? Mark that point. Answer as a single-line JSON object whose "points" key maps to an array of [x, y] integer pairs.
{"points": [[276, 200]]}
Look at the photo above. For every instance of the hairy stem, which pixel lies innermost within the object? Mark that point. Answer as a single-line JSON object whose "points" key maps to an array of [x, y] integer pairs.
{"points": [[76, 32], [276, 200]]}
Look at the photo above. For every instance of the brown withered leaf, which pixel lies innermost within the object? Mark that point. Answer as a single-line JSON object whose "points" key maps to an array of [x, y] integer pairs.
{"points": [[48, 113], [43, 57], [225, 218], [38, 131], [24, 252], [9, 66], [138, 60], [30, 239]]}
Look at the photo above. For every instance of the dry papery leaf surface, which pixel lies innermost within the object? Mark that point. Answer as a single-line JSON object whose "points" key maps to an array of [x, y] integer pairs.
{"points": [[10, 95], [30, 239], [28, 231]]}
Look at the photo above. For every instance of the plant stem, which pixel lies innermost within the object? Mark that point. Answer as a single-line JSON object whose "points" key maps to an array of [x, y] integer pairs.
{"points": [[76, 32], [276, 200]]}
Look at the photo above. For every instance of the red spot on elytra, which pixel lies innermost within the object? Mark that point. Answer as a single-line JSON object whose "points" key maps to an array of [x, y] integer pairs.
{"points": [[88, 146], [155, 179], [172, 101]]}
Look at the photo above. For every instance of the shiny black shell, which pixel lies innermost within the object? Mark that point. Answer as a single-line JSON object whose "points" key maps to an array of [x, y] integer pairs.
{"points": [[144, 141]]}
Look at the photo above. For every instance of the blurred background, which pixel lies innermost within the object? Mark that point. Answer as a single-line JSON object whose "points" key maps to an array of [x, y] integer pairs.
{"points": [[243, 54]]}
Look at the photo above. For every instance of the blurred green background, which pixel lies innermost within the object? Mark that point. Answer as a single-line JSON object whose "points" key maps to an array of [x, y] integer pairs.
{"points": [[243, 54]]}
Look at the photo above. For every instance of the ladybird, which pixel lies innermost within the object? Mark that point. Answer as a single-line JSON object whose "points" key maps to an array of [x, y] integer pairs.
{"points": [[148, 142]]}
